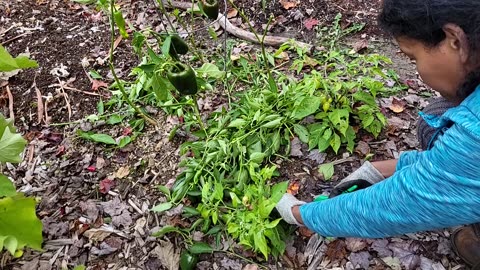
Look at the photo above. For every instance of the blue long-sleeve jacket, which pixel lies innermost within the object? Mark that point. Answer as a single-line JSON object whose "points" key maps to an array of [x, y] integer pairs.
{"points": [[433, 189]]}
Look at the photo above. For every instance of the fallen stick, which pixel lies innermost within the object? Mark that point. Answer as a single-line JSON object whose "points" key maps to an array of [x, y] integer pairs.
{"points": [[40, 106], [65, 96], [274, 41], [10, 104]]}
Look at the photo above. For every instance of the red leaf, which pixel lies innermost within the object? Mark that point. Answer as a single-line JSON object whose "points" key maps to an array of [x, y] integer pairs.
{"points": [[96, 84], [127, 131], [106, 185], [310, 23], [60, 150], [91, 168]]}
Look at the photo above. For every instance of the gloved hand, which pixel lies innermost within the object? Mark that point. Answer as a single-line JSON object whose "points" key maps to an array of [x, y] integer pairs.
{"points": [[284, 207], [366, 172]]}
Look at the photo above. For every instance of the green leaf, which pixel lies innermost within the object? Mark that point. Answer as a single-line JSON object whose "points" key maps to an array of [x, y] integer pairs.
{"points": [[336, 142], [120, 22], [166, 45], [95, 75], [200, 248], [164, 230], [308, 106], [350, 135], [273, 124], [114, 119], [209, 70], [261, 243], [159, 208], [102, 138], [302, 133], [19, 221], [11, 144], [100, 107], [164, 190], [278, 190], [159, 87], [8, 63], [257, 157], [124, 141], [80, 267], [327, 170], [237, 123], [7, 189]]}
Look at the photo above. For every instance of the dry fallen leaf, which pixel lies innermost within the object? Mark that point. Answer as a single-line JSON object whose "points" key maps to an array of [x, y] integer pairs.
{"points": [[96, 84], [336, 250], [122, 172], [363, 149], [105, 185], [168, 255], [310, 23], [288, 4], [232, 13], [97, 235], [397, 106], [305, 232], [360, 45], [293, 187], [355, 244]]}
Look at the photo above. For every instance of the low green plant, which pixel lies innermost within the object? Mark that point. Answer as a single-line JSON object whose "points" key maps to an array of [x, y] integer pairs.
{"points": [[19, 225], [9, 63]]}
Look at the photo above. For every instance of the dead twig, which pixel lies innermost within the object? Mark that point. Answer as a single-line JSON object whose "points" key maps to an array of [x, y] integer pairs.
{"points": [[10, 104], [14, 38], [274, 41], [65, 96], [40, 106]]}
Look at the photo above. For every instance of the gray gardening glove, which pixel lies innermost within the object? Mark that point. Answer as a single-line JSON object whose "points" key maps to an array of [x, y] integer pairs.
{"points": [[284, 207], [366, 172]]}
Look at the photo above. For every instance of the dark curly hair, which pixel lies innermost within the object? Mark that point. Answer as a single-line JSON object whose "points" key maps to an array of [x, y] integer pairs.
{"points": [[423, 20]]}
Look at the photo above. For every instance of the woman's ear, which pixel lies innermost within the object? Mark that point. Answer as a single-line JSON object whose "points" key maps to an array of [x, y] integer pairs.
{"points": [[457, 40]]}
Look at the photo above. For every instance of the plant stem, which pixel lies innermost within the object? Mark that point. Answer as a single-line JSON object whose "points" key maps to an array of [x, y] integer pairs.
{"points": [[197, 114], [112, 68]]}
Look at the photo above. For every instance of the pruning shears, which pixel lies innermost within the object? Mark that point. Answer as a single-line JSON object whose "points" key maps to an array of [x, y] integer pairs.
{"points": [[325, 197]]}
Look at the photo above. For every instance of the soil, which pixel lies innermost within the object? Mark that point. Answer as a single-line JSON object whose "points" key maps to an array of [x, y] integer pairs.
{"points": [[83, 186]]}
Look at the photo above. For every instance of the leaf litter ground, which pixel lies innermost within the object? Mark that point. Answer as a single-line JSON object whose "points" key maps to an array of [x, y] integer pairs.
{"points": [[95, 200]]}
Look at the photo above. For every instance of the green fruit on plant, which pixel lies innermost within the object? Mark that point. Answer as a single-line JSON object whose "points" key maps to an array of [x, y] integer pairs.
{"points": [[210, 8], [183, 79], [188, 261], [178, 45]]}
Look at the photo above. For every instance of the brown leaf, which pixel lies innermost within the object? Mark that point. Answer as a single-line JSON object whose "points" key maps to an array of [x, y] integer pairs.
{"points": [[168, 255], [96, 84], [397, 106], [122, 172], [105, 185], [293, 187], [97, 235], [310, 23], [232, 13], [336, 250], [363, 149], [288, 4], [360, 45], [296, 148], [305, 232], [355, 244]]}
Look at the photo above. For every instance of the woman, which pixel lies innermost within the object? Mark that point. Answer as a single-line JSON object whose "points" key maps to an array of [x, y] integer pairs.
{"points": [[431, 189]]}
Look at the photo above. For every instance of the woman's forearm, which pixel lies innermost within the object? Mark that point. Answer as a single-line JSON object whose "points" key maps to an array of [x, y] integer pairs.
{"points": [[386, 167]]}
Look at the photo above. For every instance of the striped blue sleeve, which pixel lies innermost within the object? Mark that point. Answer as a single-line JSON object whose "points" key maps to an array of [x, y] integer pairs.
{"points": [[439, 189], [407, 159]]}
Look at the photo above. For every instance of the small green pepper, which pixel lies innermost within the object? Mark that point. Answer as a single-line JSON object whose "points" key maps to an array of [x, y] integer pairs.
{"points": [[188, 261], [178, 45], [210, 8], [183, 78]]}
